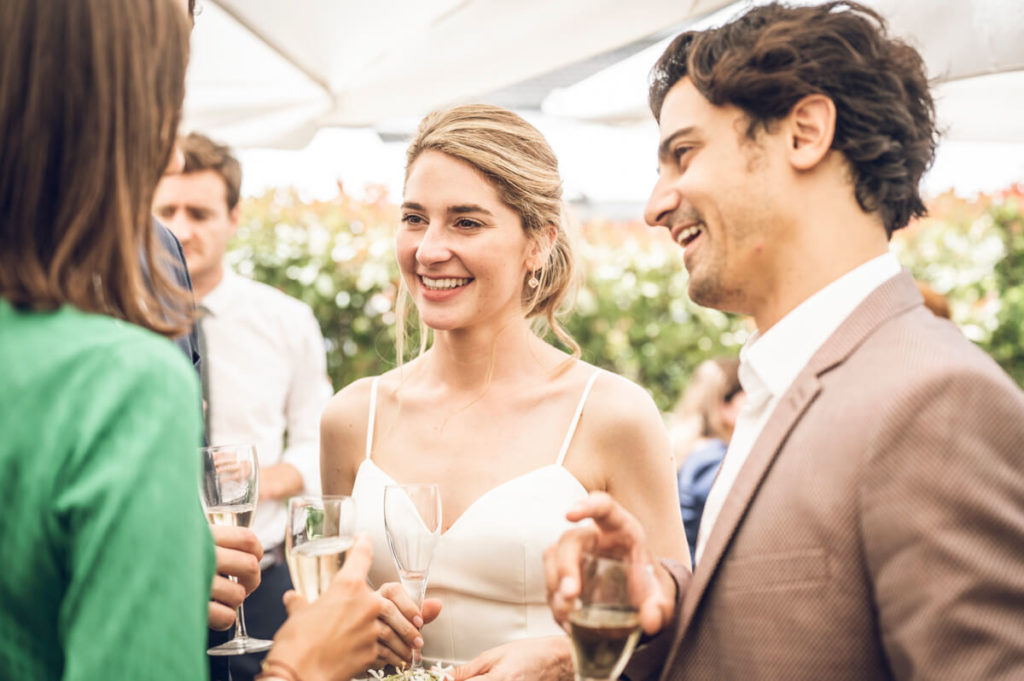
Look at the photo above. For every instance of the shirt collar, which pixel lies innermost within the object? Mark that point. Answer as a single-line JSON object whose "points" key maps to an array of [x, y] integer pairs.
{"points": [[218, 301], [772, 361]]}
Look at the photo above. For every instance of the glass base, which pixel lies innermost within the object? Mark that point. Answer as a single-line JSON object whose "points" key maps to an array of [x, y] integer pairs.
{"points": [[241, 645]]}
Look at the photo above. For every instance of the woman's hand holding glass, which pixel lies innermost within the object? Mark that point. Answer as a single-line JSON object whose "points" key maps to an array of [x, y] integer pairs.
{"points": [[319, 535], [336, 637], [403, 620], [412, 523]]}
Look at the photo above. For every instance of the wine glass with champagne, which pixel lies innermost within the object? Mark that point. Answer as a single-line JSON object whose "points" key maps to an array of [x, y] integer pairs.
{"points": [[321, 530], [228, 489], [604, 622], [412, 524]]}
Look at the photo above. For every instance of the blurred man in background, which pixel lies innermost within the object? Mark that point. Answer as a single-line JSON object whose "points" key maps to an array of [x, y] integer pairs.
{"points": [[265, 362]]}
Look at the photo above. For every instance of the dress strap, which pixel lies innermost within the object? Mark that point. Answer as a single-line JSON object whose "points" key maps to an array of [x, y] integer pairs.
{"points": [[576, 417], [373, 414]]}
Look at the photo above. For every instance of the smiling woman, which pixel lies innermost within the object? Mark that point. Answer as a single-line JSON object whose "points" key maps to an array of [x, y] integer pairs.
{"points": [[514, 430]]}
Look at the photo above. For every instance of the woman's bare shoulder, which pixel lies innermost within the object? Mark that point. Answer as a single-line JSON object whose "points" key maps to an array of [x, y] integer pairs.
{"points": [[620, 405]]}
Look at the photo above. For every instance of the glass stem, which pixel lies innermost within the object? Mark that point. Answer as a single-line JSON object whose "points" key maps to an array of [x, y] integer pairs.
{"points": [[240, 631]]}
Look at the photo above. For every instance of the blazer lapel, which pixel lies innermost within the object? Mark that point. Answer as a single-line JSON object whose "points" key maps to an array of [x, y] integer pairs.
{"points": [[893, 297]]}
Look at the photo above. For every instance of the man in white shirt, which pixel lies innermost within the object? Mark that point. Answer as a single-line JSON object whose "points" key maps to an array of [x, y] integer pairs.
{"points": [[265, 361], [867, 522]]}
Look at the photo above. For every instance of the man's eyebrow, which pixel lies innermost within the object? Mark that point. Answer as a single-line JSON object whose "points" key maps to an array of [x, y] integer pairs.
{"points": [[411, 205], [663, 148]]}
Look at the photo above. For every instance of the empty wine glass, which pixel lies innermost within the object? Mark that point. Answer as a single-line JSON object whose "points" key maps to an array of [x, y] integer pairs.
{"points": [[605, 621], [228, 490], [412, 523], [320, 532]]}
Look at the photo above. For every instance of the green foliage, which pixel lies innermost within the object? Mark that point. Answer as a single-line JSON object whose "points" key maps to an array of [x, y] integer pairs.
{"points": [[337, 257], [972, 252], [633, 317], [632, 314]]}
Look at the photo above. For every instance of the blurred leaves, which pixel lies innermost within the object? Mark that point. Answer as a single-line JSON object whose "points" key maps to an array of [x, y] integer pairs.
{"points": [[632, 314]]}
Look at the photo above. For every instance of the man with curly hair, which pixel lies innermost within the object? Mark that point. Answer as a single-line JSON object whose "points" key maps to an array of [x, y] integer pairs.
{"points": [[867, 522]]}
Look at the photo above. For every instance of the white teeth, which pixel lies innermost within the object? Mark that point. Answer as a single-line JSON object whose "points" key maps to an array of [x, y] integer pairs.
{"points": [[687, 234], [443, 284]]}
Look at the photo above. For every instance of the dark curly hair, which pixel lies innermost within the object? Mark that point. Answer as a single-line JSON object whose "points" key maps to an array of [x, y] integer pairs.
{"points": [[768, 59]]}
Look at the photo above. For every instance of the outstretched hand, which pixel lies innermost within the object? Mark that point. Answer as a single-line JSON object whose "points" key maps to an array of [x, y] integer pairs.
{"points": [[535, 659], [613, 531]]}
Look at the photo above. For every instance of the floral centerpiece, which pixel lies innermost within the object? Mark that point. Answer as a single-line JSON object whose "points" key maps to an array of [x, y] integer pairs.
{"points": [[435, 673]]}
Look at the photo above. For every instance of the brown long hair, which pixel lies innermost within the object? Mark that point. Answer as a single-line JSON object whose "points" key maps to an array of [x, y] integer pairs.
{"points": [[90, 100], [774, 55]]}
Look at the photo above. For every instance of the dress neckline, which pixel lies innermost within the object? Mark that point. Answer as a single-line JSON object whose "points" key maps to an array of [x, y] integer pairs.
{"points": [[511, 482]]}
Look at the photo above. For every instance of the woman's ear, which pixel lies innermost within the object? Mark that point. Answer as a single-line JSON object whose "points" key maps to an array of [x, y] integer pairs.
{"points": [[540, 247]]}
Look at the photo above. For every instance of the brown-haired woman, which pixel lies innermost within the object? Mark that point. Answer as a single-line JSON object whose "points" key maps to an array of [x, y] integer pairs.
{"points": [[513, 429], [107, 559]]}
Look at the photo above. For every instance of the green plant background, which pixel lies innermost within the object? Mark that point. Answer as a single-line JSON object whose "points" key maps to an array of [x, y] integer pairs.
{"points": [[632, 315]]}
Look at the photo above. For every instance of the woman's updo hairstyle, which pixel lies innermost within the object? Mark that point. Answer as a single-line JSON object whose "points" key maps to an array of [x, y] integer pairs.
{"points": [[519, 163]]}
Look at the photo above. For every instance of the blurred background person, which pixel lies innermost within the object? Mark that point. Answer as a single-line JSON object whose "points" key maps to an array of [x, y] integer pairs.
{"points": [[933, 300], [99, 414], [266, 368], [702, 426]]}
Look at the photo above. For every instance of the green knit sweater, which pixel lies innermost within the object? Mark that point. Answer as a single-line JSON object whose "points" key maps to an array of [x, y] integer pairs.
{"points": [[106, 557]]}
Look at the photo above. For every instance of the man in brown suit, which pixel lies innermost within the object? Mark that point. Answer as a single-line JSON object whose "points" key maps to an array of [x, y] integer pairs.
{"points": [[868, 520]]}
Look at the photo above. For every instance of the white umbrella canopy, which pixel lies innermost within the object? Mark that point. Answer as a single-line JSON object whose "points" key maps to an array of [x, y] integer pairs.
{"points": [[271, 73], [973, 49]]}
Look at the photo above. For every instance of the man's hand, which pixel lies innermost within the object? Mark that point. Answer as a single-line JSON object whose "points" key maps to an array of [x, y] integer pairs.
{"points": [[238, 555], [613, 532]]}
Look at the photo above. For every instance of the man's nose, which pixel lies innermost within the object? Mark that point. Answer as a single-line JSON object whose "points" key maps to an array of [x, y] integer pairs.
{"points": [[663, 201], [180, 226]]}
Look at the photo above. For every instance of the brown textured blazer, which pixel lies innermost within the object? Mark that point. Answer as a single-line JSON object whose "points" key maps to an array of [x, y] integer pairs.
{"points": [[876, 530]]}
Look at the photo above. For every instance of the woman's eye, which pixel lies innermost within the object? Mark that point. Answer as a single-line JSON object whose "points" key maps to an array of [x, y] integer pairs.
{"points": [[411, 219], [466, 223]]}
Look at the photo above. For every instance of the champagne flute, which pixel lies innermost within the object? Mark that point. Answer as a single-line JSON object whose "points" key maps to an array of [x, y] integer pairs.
{"points": [[321, 530], [228, 491], [412, 523], [605, 621]]}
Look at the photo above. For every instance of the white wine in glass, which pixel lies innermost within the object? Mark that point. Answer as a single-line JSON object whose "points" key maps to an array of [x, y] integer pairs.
{"points": [[321, 530], [412, 524], [228, 489], [604, 623]]}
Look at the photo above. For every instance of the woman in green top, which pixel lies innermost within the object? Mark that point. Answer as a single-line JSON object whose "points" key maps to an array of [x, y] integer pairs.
{"points": [[107, 559]]}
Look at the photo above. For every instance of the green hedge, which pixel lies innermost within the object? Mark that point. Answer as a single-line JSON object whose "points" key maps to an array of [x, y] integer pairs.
{"points": [[632, 314]]}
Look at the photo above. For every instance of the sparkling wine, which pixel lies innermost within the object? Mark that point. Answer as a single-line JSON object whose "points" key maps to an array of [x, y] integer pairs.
{"points": [[602, 640], [239, 516], [313, 565]]}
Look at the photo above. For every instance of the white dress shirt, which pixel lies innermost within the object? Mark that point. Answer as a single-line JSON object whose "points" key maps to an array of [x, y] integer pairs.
{"points": [[267, 370], [769, 364]]}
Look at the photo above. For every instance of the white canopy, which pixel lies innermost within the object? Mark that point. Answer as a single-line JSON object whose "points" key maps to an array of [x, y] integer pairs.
{"points": [[266, 73], [974, 51], [271, 73]]}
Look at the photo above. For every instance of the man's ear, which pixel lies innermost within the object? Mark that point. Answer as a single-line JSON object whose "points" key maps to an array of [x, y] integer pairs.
{"points": [[234, 215], [812, 126], [540, 247]]}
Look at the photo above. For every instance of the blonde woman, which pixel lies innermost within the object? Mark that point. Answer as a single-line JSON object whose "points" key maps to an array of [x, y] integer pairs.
{"points": [[514, 429]]}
